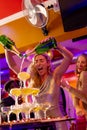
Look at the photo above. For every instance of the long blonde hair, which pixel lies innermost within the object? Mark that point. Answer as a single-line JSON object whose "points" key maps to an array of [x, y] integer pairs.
{"points": [[34, 74]]}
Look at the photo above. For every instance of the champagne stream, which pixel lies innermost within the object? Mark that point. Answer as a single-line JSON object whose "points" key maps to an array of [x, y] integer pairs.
{"points": [[22, 63]]}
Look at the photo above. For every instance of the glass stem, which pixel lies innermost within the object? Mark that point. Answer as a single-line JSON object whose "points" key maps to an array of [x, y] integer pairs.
{"points": [[45, 114], [29, 114], [26, 116], [8, 118], [18, 117], [24, 83], [16, 101], [26, 99]]}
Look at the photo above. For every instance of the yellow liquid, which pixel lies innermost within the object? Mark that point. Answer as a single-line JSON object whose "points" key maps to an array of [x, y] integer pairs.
{"points": [[25, 109], [29, 91], [35, 91], [37, 108], [23, 76], [16, 91], [15, 110]]}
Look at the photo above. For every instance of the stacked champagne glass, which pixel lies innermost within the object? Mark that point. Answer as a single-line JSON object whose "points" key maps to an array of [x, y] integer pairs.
{"points": [[26, 107]]}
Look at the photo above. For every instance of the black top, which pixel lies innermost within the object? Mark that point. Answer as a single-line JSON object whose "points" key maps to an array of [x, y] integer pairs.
{"points": [[8, 101]]}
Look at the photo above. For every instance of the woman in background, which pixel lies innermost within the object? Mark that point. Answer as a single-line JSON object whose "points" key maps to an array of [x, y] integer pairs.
{"points": [[80, 91]]}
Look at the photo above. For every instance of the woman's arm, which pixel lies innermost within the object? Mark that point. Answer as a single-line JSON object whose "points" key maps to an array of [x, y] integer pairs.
{"points": [[12, 62], [61, 69], [78, 93], [15, 62]]}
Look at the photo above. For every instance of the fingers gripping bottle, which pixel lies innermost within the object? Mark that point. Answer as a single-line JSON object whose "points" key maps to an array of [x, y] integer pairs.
{"points": [[44, 46], [41, 48], [7, 43]]}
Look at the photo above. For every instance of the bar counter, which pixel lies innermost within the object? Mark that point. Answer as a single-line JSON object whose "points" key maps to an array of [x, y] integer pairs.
{"points": [[33, 124]]}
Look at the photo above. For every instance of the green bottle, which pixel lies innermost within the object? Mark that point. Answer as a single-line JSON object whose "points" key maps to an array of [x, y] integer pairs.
{"points": [[44, 46], [9, 44]]}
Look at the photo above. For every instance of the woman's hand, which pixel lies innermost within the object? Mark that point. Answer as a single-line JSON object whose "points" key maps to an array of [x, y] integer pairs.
{"points": [[65, 83]]}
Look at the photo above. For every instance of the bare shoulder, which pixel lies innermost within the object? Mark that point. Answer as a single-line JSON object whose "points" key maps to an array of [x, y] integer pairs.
{"points": [[84, 73]]}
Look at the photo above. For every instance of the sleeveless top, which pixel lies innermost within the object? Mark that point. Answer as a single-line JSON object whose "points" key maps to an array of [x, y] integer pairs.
{"points": [[49, 92]]}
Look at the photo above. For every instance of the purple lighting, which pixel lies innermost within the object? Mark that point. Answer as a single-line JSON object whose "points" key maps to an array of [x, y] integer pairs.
{"points": [[4, 72]]}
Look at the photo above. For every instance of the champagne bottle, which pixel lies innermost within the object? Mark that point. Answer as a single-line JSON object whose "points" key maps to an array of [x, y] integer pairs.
{"points": [[9, 44], [44, 46]]}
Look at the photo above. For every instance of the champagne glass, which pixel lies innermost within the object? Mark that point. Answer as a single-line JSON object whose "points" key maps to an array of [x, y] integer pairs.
{"points": [[36, 107], [35, 92], [23, 76], [26, 108], [16, 109], [45, 107], [28, 91], [6, 110], [25, 92], [16, 92]]}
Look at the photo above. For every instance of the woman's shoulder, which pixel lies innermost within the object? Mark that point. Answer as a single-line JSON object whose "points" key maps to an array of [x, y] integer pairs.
{"points": [[84, 73]]}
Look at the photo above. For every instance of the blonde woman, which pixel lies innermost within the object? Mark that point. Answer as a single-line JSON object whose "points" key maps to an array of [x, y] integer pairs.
{"points": [[80, 91], [46, 79]]}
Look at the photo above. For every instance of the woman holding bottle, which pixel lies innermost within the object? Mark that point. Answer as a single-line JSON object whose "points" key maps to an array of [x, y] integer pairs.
{"points": [[46, 79]]}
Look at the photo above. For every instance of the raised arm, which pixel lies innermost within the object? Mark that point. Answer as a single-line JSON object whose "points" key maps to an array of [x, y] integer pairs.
{"points": [[15, 62], [67, 58]]}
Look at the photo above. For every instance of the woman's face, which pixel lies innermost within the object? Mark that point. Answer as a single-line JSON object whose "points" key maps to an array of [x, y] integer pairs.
{"points": [[81, 63], [41, 65]]}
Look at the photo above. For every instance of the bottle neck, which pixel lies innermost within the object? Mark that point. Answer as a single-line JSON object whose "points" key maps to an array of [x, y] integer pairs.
{"points": [[15, 51]]}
